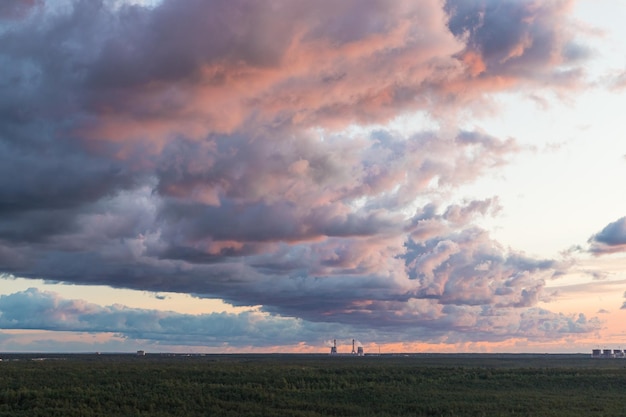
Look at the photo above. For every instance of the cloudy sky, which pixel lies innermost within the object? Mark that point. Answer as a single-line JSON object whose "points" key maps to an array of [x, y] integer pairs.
{"points": [[260, 176]]}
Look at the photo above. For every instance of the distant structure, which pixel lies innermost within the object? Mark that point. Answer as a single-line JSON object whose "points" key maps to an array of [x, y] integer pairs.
{"points": [[333, 349], [608, 353], [141, 353], [356, 350]]}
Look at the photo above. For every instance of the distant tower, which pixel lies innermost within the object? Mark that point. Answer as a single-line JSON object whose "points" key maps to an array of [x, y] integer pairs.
{"points": [[333, 349], [360, 351], [353, 351]]}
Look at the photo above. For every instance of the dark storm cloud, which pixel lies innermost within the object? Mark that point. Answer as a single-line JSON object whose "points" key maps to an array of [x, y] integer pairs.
{"points": [[57, 178], [205, 147], [611, 239]]}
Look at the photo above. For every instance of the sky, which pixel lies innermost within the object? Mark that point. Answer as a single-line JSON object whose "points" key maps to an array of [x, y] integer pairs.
{"points": [[225, 176]]}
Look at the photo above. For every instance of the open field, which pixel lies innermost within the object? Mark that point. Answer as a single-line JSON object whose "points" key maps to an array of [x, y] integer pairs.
{"points": [[311, 385]]}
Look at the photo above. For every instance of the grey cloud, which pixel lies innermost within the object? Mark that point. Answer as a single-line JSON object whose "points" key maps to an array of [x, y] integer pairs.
{"points": [[37, 310], [460, 265], [318, 281], [427, 222], [592, 287], [616, 81], [611, 239], [613, 234], [174, 40], [546, 323], [517, 38], [15, 9], [47, 176], [303, 191], [276, 222], [497, 146], [463, 214], [58, 178], [533, 324]]}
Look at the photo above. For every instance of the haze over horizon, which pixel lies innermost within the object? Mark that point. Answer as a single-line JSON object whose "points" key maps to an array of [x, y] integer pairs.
{"points": [[266, 176]]}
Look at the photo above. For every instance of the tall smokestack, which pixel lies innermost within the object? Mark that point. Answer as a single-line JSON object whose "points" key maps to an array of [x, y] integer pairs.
{"points": [[353, 351]]}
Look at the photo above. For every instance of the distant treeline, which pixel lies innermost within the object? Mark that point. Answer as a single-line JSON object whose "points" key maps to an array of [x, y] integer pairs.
{"points": [[310, 385]]}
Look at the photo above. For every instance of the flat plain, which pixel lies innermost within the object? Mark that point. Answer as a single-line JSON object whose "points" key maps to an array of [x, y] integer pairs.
{"points": [[311, 385]]}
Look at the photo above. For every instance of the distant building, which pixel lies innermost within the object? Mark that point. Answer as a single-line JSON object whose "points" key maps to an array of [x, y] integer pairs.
{"points": [[141, 353], [333, 349], [608, 353], [359, 351]]}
